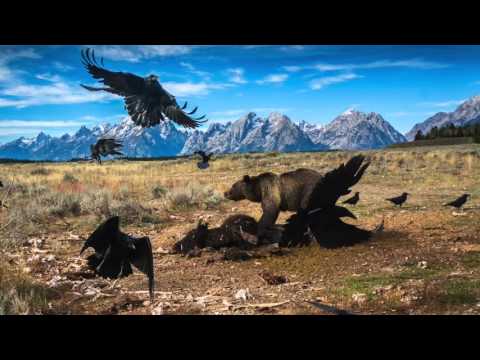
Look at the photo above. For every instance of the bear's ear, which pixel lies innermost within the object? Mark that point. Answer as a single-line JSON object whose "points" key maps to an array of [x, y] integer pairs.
{"points": [[246, 178]]}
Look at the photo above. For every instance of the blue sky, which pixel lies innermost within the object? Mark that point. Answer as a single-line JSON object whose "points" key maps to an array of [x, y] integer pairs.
{"points": [[39, 85]]}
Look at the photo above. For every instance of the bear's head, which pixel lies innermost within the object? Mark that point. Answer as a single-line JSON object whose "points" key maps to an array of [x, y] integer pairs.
{"points": [[241, 190]]}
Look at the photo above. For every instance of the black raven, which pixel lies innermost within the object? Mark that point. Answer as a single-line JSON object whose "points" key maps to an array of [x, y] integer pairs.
{"points": [[353, 200], [399, 200], [115, 251], [1, 183], [459, 202], [146, 101], [205, 159], [321, 220], [105, 147]]}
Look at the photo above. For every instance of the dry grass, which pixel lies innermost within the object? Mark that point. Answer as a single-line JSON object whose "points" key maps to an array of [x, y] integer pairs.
{"points": [[147, 194]]}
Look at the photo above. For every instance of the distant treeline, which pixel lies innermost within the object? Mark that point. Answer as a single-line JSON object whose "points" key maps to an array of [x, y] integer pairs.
{"points": [[451, 131]]}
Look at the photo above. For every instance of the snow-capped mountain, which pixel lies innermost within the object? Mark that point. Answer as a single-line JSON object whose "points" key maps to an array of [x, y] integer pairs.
{"points": [[161, 140], [252, 133], [467, 113], [355, 130]]}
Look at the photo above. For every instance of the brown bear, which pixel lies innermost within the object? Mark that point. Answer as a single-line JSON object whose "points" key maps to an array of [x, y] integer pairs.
{"points": [[289, 191]]}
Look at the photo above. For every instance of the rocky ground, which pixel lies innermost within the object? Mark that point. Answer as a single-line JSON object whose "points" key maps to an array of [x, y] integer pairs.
{"points": [[427, 260]]}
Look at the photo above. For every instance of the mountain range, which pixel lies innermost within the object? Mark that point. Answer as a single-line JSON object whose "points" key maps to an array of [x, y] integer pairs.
{"points": [[250, 133], [468, 113], [352, 130]]}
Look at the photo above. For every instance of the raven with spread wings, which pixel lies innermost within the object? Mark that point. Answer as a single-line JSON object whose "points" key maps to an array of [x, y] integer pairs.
{"points": [[321, 220], [105, 147], [205, 159], [146, 101], [116, 251]]}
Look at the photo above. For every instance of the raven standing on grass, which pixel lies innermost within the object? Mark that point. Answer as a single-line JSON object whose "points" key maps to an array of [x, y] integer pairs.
{"points": [[146, 101], [459, 202], [115, 251], [399, 200], [105, 147]]}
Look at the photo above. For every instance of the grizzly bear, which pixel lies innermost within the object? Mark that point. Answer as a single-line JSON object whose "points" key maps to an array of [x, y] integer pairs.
{"points": [[289, 191]]}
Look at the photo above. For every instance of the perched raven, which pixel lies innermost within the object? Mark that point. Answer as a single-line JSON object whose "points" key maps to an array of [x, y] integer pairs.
{"points": [[353, 200], [399, 200], [146, 101], [459, 202], [205, 159], [1, 183], [105, 147], [115, 251], [321, 220]]}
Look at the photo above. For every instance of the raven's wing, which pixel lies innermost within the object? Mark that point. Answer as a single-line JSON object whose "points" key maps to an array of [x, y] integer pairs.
{"points": [[119, 83], [114, 263], [108, 146], [142, 259], [337, 183], [176, 114], [103, 236]]}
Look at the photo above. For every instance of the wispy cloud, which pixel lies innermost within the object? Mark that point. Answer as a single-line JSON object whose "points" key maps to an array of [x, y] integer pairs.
{"points": [[191, 89], [39, 123], [135, 53], [408, 63], [273, 79], [49, 77], [7, 56], [441, 104], [292, 48], [60, 66], [24, 95], [236, 113], [237, 75], [320, 83], [292, 68], [192, 69]]}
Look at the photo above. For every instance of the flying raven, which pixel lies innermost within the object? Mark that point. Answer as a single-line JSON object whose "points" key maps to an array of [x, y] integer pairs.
{"points": [[399, 200], [353, 200], [115, 251], [321, 220], [146, 101], [459, 202], [205, 159], [105, 147]]}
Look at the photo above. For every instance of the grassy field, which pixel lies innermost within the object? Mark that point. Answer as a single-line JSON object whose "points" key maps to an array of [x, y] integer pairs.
{"points": [[426, 261]]}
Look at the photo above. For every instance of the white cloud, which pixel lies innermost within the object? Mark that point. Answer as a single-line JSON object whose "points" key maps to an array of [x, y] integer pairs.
{"points": [[409, 63], [180, 89], [233, 112], [61, 66], [39, 124], [21, 96], [273, 79], [192, 69], [237, 75], [440, 104], [135, 53], [49, 77], [292, 47], [320, 83], [7, 74], [292, 68]]}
